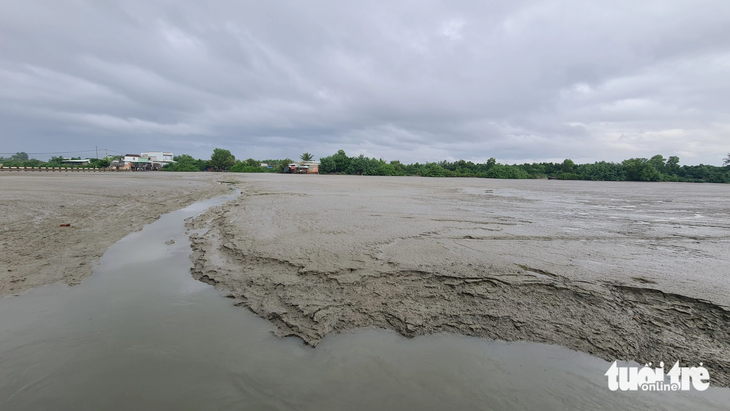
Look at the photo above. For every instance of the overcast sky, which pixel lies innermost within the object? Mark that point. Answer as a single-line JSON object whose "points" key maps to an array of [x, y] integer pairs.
{"points": [[409, 80]]}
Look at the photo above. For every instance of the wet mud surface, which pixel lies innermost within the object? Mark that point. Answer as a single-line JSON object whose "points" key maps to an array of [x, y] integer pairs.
{"points": [[55, 226], [624, 271]]}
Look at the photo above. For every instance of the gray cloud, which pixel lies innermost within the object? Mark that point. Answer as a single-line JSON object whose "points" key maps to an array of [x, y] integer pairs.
{"points": [[409, 80]]}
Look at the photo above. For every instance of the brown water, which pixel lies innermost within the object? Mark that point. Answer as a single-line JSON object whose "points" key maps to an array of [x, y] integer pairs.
{"points": [[142, 334]]}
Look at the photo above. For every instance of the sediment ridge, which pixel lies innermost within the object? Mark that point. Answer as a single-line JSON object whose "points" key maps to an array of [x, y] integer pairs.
{"points": [[316, 256]]}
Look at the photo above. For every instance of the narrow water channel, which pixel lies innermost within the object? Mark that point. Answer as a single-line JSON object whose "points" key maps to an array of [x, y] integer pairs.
{"points": [[142, 334]]}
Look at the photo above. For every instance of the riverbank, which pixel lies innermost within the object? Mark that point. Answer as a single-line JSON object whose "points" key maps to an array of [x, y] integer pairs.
{"points": [[99, 209], [618, 270]]}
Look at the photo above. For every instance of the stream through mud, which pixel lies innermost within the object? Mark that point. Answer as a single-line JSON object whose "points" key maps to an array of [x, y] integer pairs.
{"points": [[141, 333]]}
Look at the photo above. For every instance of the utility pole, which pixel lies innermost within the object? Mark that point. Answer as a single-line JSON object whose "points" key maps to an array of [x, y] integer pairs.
{"points": [[97, 152]]}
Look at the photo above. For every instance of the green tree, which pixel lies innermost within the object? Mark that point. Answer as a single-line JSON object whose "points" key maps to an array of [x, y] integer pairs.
{"points": [[434, 170], [640, 169], [398, 168], [341, 160], [188, 167], [357, 165], [20, 156], [55, 162], [672, 166], [222, 159], [568, 166], [659, 163], [601, 171], [186, 162], [283, 165], [243, 167], [183, 158], [306, 157], [726, 161], [327, 165], [505, 171], [100, 162], [336, 163]]}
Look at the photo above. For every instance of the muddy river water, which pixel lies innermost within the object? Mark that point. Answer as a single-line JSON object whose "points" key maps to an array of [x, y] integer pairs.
{"points": [[141, 333]]}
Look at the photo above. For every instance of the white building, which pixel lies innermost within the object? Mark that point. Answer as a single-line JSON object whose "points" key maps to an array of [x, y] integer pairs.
{"points": [[136, 162], [159, 158], [131, 158]]}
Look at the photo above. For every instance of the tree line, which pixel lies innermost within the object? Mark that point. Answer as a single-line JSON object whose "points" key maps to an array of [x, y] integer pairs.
{"points": [[223, 160], [656, 168], [21, 159]]}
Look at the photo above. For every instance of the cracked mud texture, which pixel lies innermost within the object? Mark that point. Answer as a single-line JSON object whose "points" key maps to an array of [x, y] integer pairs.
{"points": [[99, 208], [629, 271]]}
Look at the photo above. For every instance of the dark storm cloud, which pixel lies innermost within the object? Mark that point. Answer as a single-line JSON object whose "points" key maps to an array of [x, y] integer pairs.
{"points": [[408, 80]]}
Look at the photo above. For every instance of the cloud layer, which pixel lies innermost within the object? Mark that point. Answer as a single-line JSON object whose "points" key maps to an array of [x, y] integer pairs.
{"points": [[409, 80]]}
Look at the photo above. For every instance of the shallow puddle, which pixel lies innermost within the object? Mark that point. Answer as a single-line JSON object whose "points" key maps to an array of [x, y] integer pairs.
{"points": [[142, 334]]}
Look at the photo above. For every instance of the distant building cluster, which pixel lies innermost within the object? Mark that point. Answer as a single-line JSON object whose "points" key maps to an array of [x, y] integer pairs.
{"points": [[303, 167], [151, 160]]}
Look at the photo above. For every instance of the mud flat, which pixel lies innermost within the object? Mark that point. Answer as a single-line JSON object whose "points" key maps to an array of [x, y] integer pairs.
{"points": [[632, 271], [100, 209]]}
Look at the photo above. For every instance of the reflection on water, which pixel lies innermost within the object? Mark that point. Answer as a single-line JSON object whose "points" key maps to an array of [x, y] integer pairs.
{"points": [[142, 334]]}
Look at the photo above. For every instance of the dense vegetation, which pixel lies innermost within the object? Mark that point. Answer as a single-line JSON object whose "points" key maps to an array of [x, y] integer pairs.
{"points": [[21, 160], [186, 162], [656, 168], [223, 160]]}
